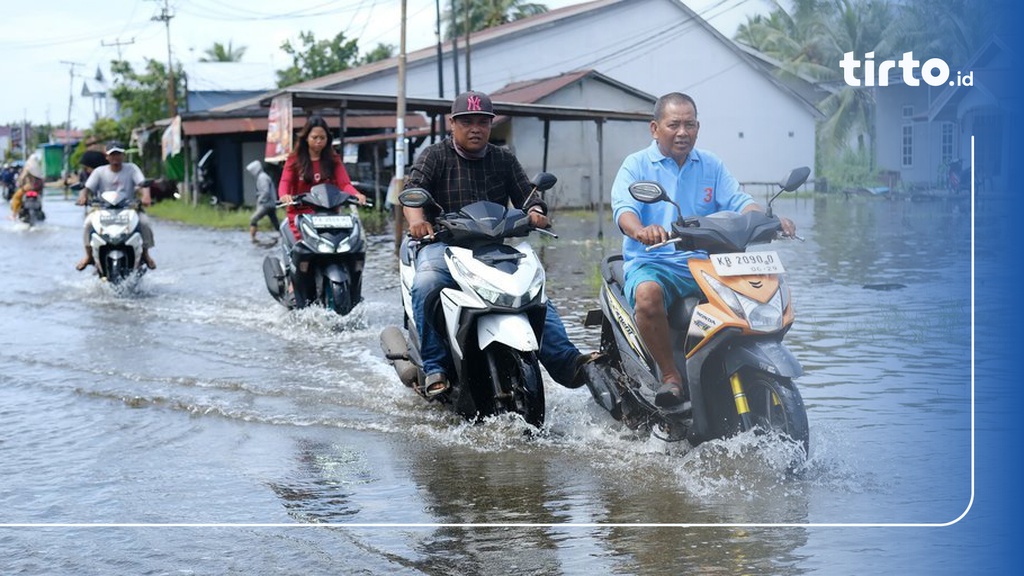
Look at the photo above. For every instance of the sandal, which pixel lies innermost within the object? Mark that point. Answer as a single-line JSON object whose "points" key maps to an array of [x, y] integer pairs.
{"points": [[435, 384], [579, 375], [670, 394]]}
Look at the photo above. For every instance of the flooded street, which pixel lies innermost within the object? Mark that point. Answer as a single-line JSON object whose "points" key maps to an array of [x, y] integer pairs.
{"points": [[198, 400]]}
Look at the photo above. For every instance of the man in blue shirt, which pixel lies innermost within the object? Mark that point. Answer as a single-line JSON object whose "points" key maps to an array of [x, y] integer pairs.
{"points": [[696, 180]]}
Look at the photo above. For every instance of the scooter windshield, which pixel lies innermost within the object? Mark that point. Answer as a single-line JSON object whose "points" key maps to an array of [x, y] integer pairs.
{"points": [[325, 196]]}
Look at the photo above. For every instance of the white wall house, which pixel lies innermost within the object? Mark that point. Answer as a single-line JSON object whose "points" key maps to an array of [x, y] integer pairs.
{"points": [[921, 129], [572, 145], [758, 125]]}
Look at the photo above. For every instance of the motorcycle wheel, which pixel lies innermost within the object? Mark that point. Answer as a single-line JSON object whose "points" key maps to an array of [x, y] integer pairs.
{"points": [[337, 295], [518, 374], [114, 272], [776, 407]]}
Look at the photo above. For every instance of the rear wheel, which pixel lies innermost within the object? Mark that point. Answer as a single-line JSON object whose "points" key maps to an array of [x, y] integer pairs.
{"points": [[518, 375]]}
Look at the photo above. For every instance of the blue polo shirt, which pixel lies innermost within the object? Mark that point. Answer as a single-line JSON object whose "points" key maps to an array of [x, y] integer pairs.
{"points": [[702, 186]]}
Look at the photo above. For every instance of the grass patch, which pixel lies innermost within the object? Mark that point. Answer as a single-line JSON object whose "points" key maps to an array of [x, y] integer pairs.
{"points": [[208, 216]]}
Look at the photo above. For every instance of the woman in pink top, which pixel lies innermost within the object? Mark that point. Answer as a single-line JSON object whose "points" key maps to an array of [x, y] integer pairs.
{"points": [[312, 162]]}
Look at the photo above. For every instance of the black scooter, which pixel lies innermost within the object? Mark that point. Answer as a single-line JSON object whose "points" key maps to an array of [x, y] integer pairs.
{"points": [[332, 248]]}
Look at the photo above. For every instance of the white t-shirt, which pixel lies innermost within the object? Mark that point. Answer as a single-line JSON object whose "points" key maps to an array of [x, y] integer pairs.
{"points": [[127, 179]]}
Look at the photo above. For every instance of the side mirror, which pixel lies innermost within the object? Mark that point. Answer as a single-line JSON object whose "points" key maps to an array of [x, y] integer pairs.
{"points": [[647, 192], [795, 179], [544, 181], [415, 198]]}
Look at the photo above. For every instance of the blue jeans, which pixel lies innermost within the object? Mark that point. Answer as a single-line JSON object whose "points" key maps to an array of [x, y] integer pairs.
{"points": [[557, 353]]}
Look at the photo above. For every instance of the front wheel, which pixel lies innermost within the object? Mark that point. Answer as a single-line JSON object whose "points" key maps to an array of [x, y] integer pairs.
{"points": [[776, 407], [337, 296], [518, 376]]}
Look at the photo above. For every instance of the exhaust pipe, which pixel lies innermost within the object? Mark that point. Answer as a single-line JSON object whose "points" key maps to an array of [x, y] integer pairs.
{"points": [[392, 343]]}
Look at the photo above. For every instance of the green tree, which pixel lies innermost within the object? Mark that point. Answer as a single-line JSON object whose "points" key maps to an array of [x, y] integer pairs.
{"points": [[221, 53], [315, 58], [142, 96], [102, 130], [484, 14], [381, 52]]}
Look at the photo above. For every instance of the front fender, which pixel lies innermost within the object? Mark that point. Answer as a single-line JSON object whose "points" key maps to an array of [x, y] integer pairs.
{"points": [[337, 273], [769, 356], [512, 330]]}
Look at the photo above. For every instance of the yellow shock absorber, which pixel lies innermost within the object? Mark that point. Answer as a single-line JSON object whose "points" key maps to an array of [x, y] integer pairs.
{"points": [[740, 397]]}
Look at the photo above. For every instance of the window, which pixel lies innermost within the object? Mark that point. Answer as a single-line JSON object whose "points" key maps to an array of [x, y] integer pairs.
{"points": [[908, 145], [908, 111], [948, 135]]}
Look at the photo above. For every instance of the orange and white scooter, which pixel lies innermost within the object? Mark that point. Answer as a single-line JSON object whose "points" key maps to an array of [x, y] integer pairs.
{"points": [[728, 341]]}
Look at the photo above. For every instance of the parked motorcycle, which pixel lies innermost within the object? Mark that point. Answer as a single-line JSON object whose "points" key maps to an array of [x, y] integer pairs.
{"points": [[116, 239], [492, 323], [334, 245], [31, 211], [727, 341]]}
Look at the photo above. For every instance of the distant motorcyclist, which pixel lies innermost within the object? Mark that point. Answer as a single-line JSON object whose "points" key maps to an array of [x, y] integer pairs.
{"points": [[31, 178], [122, 176], [698, 181]]}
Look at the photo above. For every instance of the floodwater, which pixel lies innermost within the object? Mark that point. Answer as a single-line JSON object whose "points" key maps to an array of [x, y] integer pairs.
{"points": [[194, 426]]}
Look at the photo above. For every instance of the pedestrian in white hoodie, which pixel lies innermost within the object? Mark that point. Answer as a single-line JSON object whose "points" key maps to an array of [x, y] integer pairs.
{"points": [[266, 198]]}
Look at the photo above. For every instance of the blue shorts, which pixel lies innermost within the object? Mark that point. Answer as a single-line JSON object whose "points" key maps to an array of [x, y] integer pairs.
{"points": [[676, 283]]}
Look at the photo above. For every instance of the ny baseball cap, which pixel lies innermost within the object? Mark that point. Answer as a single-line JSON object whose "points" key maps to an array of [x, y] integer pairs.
{"points": [[114, 147], [472, 103]]}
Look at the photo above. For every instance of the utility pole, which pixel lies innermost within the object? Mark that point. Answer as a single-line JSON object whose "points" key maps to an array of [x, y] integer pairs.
{"points": [[165, 17], [455, 49], [399, 180], [67, 133], [466, 23], [117, 43]]}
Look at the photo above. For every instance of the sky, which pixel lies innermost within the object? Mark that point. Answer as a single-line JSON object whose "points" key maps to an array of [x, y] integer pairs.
{"points": [[44, 43]]}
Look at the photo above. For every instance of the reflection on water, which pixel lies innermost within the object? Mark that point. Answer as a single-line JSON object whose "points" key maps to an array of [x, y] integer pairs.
{"points": [[197, 398]]}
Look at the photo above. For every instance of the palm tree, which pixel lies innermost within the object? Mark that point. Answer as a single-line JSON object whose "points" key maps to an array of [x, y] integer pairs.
{"points": [[220, 53], [811, 40], [485, 14]]}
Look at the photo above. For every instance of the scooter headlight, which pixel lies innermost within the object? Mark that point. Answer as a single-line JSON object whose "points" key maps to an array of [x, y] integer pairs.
{"points": [[536, 285], [762, 317], [483, 288]]}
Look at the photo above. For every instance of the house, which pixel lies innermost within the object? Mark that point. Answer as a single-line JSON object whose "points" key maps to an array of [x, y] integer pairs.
{"points": [[758, 124], [570, 152], [921, 129]]}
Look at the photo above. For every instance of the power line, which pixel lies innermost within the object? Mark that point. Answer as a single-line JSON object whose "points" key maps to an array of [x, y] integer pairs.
{"points": [[117, 43]]}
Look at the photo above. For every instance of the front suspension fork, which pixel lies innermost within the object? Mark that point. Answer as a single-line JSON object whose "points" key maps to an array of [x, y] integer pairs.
{"points": [[740, 397]]}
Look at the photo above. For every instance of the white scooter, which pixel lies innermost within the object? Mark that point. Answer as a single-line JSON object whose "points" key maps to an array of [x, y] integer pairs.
{"points": [[492, 323], [116, 240]]}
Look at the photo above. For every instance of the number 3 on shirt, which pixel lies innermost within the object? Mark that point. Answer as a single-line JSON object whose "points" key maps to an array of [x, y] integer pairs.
{"points": [[709, 193]]}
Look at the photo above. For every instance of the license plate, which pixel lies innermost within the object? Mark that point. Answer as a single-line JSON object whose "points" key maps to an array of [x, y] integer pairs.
{"points": [[746, 263], [332, 221]]}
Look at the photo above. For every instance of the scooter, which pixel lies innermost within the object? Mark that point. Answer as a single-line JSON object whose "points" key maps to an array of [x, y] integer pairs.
{"points": [[116, 240], [727, 342], [333, 245], [31, 211], [492, 323]]}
